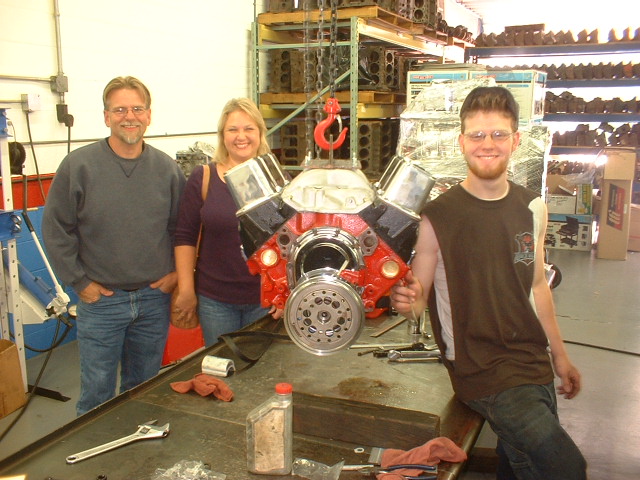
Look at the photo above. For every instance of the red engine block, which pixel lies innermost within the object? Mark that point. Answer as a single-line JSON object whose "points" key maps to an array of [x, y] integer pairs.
{"points": [[382, 268]]}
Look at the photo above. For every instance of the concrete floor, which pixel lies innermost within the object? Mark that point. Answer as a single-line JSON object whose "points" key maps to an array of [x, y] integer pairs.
{"points": [[598, 308]]}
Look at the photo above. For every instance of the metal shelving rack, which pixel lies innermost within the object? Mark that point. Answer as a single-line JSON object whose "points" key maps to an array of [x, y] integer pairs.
{"points": [[587, 49], [591, 117], [10, 304], [595, 83], [553, 50], [277, 31]]}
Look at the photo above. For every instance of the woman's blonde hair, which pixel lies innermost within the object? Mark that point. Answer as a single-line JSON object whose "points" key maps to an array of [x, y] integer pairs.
{"points": [[247, 106]]}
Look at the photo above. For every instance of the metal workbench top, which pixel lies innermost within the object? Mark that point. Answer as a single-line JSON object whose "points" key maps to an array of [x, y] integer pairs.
{"points": [[212, 431]]}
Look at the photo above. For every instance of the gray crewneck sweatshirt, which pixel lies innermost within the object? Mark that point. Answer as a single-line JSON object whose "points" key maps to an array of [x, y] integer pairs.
{"points": [[111, 220]]}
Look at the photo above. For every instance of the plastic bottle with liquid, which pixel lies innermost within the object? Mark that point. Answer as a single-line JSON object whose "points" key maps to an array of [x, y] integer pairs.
{"points": [[269, 434]]}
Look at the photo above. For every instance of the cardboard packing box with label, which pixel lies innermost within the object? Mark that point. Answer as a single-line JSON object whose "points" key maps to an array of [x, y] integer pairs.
{"points": [[561, 194], [634, 229], [558, 185], [561, 204], [569, 232], [12, 391], [613, 236], [584, 199]]}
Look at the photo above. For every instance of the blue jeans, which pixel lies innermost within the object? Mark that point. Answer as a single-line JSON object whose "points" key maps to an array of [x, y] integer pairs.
{"points": [[535, 445], [127, 328], [218, 318]]}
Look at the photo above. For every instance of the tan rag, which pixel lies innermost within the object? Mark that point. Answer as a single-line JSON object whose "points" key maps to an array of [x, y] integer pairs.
{"points": [[205, 385], [431, 453]]}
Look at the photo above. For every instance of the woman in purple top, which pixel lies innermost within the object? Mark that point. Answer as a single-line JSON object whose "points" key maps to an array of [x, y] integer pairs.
{"points": [[226, 295]]}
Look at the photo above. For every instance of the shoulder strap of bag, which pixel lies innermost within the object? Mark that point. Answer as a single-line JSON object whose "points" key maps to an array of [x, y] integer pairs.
{"points": [[206, 175]]}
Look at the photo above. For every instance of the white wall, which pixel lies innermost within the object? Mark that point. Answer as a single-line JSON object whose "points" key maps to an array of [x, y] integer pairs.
{"points": [[193, 55]]}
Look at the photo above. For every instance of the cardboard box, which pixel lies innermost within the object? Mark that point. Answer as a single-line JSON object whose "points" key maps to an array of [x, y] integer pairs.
{"points": [[12, 390], [634, 229], [558, 185], [620, 164], [584, 199], [527, 86], [569, 232], [615, 210], [613, 234], [561, 204], [418, 80]]}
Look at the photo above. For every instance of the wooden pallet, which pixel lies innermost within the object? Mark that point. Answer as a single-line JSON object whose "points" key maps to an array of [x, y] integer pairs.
{"points": [[368, 96], [369, 13], [437, 35], [458, 42], [285, 18]]}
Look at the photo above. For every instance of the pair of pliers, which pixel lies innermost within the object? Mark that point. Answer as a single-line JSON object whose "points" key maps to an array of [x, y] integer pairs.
{"points": [[432, 475]]}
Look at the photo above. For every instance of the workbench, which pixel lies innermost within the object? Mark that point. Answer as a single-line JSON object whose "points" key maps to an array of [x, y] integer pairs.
{"points": [[418, 395]]}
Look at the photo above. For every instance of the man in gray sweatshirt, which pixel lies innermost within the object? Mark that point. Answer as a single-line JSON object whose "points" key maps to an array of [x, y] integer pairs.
{"points": [[108, 228]]}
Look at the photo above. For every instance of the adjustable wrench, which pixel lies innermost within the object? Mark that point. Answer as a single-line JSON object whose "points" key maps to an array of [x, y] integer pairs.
{"points": [[413, 356], [416, 360], [393, 354], [383, 346], [144, 432]]}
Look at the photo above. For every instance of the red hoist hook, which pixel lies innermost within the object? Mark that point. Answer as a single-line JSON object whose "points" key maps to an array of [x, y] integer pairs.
{"points": [[332, 107]]}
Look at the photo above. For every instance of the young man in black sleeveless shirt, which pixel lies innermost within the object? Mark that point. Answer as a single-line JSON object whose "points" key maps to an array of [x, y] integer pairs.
{"points": [[479, 267]]}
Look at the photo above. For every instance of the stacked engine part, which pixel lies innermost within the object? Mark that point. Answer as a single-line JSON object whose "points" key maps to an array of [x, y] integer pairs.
{"points": [[280, 70], [566, 167], [295, 140], [420, 11], [625, 135], [378, 69], [520, 35], [567, 102], [200, 153], [276, 6], [377, 142], [328, 245], [588, 71], [291, 69], [381, 69]]}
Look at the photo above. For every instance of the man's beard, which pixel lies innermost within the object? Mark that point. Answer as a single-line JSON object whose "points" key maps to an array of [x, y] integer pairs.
{"points": [[491, 174], [130, 139]]}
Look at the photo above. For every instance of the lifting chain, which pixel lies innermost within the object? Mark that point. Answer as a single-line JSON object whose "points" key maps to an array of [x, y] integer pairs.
{"points": [[321, 76], [313, 113], [332, 107], [333, 48], [320, 50]]}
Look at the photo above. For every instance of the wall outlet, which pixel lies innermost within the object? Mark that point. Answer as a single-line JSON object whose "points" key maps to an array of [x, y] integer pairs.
{"points": [[30, 102]]}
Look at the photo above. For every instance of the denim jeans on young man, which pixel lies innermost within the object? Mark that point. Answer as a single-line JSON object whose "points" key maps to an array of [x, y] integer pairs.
{"points": [[218, 318], [127, 328], [525, 419]]}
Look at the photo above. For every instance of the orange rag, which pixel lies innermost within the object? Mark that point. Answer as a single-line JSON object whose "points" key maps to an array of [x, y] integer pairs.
{"points": [[431, 453], [205, 385]]}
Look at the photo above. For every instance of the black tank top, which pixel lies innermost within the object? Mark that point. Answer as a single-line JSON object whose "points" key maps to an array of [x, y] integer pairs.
{"points": [[488, 250]]}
